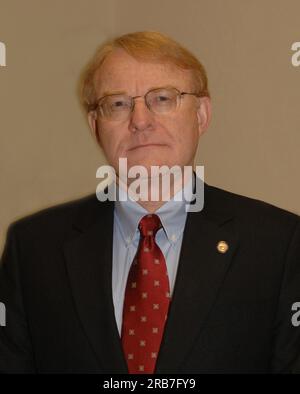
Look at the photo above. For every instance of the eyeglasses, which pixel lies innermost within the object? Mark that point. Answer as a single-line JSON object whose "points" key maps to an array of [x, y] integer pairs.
{"points": [[158, 101]]}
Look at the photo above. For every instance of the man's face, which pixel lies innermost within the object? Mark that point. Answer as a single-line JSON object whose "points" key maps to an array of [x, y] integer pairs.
{"points": [[146, 138]]}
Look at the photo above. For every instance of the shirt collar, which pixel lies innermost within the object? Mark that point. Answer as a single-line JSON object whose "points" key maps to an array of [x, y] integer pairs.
{"points": [[172, 214]]}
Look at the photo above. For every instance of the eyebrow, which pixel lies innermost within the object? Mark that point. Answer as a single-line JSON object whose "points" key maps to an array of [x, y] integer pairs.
{"points": [[111, 92]]}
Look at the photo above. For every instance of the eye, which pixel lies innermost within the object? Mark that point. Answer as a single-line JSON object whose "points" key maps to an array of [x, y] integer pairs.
{"points": [[119, 104], [162, 98]]}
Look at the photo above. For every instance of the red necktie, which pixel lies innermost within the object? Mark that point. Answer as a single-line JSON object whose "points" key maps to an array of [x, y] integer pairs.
{"points": [[146, 302]]}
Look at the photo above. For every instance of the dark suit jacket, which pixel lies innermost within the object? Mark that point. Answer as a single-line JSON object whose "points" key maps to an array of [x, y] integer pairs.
{"points": [[230, 312]]}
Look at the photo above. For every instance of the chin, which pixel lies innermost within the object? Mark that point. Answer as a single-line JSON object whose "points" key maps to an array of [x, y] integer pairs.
{"points": [[148, 164]]}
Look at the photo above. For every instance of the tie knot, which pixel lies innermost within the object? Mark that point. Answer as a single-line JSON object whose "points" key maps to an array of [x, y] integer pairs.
{"points": [[149, 225]]}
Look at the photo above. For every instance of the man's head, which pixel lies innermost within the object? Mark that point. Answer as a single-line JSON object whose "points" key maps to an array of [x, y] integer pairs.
{"points": [[146, 133]]}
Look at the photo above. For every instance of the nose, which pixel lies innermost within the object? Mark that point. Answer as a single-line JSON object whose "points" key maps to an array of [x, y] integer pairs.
{"points": [[141, 118]]}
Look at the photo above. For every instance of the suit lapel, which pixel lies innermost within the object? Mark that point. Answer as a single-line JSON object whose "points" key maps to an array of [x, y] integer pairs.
{"points": [[200, 274], [89, 264]]}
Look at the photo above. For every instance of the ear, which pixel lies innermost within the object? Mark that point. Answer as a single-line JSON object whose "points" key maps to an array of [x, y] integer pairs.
{"points": [[203, 114], [94, 127]]}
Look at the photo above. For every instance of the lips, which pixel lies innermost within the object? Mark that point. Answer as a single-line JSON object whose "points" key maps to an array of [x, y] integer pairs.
{"points": [[144, 146]]}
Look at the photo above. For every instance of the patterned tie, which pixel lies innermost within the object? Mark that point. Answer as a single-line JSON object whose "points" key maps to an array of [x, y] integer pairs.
{"points": [[146, 302]]}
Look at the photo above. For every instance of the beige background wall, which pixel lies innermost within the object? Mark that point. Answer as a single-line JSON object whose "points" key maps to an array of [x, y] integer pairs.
{"points": [[47, 154]]}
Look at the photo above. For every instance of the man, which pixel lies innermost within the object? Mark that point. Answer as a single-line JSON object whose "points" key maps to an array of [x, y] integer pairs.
{"points": [[144, 286]]}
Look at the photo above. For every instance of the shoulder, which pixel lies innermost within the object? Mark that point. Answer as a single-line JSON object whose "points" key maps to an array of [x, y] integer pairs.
{"points": [[61, 218], [255, 214]]}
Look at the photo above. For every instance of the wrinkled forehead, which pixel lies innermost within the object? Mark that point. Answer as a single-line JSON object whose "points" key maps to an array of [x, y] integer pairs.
{"points": [[122, 72]]}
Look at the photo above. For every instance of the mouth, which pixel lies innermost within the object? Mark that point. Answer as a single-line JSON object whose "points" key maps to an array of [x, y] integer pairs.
{"points": [[145, 146]]}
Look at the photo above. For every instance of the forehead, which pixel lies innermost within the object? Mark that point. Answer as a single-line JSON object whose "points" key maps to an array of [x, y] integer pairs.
{"points": [[122, 72]]}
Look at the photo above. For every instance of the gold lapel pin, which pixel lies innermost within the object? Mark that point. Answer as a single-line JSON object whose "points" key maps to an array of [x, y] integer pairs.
{"points": [[222, 246]]}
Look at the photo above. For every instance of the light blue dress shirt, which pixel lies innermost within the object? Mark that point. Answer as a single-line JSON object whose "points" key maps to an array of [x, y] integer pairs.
{"points": [[126, 235]]}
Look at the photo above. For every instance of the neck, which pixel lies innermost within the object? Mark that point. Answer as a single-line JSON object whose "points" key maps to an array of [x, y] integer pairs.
{"points": [[151, 206], [152, 193]]}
